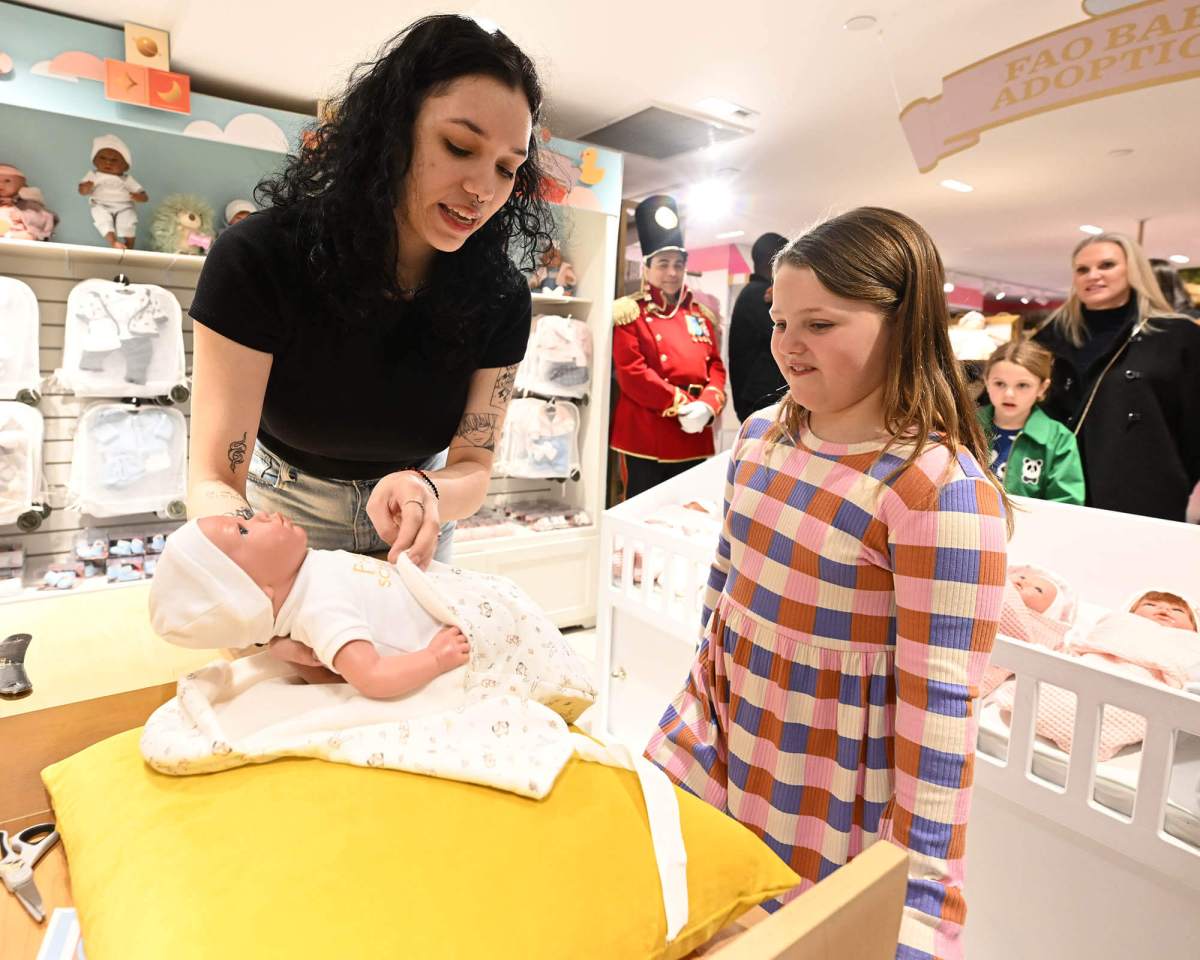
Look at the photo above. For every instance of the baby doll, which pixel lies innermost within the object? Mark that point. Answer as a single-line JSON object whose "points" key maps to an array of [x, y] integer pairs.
{"points": [[23, 216], [238, 210], [1039, 608], [1153, 640], [112, 192], [227, 581]]}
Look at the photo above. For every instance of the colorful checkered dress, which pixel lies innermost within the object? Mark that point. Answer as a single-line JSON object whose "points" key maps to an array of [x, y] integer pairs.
{"points": [[849, 619]]}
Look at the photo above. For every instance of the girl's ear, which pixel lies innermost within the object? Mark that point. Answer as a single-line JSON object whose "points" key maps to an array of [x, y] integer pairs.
{"points": [[1042, 390]]}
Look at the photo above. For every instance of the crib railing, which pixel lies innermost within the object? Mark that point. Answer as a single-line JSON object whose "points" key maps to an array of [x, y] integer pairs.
{"points": [[1141, 837]]}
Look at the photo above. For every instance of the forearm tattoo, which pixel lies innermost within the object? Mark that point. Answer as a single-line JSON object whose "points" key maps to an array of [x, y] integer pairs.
{"points": [[478, 430], [237, 454], [242, 509], [503, 388]]}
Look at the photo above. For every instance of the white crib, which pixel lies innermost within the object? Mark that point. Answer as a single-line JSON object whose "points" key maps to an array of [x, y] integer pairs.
{"points": [[1107, 866]]}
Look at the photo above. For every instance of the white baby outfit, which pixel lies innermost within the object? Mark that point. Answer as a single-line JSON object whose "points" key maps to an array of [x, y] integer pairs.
{"points": [[340, 596]]}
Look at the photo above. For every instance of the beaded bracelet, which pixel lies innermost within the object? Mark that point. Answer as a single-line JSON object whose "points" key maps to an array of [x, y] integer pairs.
{"points": [[424, 476]]}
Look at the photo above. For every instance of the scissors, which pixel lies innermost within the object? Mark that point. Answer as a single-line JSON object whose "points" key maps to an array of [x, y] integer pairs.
{"points": [[19, 853]]}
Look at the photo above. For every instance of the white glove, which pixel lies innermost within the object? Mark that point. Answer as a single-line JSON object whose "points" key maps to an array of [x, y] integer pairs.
{"points": [[694, 416]]}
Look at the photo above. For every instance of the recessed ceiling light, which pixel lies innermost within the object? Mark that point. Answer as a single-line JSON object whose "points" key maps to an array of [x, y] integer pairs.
{"points": [[731, 234], [947, 287], [1024, 299], [957, 185], [720, 107], [1121, 152], [1092, 229], [1001, 295], [1179, 258], [859, 23]]}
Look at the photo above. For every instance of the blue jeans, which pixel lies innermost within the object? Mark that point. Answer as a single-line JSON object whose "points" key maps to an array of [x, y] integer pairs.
{"points": [[334, 512]]}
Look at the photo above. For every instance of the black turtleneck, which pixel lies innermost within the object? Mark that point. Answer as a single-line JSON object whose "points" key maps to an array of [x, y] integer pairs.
{"points": [[1103, 328]]}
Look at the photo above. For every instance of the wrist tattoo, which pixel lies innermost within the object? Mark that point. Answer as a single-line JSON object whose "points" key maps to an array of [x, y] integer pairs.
{"points": [[477, 430], [502, 389], [237, 454]]}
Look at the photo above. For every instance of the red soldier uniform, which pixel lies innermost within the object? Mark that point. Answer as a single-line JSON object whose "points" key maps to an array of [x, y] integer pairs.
{"points": [[664, 357]]}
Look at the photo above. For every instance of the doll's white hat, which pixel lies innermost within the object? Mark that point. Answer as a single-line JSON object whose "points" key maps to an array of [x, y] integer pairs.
{"points": [[234, 207], [201, 598], [109, 141], [8, 170], [1064, 605]]}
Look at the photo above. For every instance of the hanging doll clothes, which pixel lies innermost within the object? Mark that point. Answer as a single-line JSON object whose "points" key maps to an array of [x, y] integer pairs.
{"points": [[21, 430], [128, 459], [1122, 643], [122, 340], [500, 720], [1019, 622], [540, 439], [19, 366], [558, 361]]}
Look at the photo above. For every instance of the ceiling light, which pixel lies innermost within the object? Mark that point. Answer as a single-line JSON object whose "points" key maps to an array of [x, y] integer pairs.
{"points": [[1179, 258], [1041, 301], [1121, 152], [709, 199], [1001, 295], [859, 23], [1092, 229], [1024, 299], [957, 185], [731, 234], [947, 287], [720, 107]]}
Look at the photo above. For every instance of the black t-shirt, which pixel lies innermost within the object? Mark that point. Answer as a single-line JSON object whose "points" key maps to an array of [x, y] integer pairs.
{"points": [[349, 399]]}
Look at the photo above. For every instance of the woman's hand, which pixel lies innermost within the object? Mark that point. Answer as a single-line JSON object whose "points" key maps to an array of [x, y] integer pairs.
{"points": [[405, 514]]}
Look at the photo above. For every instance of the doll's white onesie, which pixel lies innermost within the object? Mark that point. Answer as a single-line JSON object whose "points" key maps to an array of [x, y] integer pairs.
{"points": [[111, 202]]}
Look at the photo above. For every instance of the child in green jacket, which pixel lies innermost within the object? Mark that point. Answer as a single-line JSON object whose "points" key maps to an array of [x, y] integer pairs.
{"points": [[1032, 455]]}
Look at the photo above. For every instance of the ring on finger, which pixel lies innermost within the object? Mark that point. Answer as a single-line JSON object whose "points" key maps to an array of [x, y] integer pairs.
{"points": [[416, 501]]}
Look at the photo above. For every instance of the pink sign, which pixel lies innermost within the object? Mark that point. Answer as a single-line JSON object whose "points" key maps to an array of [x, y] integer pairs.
{"points": [[1140, 46]]}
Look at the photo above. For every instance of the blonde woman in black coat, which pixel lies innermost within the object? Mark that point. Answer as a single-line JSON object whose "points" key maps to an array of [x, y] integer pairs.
{"points": [[1126, 380]]}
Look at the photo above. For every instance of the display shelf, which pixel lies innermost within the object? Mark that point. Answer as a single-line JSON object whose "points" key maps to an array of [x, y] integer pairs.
{"points": [[83, 260], [552, 299]]}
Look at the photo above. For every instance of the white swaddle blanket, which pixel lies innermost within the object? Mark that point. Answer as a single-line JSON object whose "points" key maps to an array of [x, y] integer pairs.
{"points": [[500, 721]]}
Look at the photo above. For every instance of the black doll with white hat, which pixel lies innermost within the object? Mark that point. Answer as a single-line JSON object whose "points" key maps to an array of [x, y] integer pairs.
{"points": [[112, 192]]}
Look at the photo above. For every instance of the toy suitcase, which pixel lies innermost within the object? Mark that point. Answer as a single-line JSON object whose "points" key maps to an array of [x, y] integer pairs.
{"points": [[20, 374], [558, 361], [129, 459], [540, 440], [123, 340], [22, 486]]}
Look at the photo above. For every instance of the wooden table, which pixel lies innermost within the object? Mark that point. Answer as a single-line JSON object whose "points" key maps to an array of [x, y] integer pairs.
{"points": [[31, 742]]}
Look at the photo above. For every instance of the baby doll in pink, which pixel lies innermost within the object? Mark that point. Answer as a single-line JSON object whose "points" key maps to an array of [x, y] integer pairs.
{"points": [[231, 582], [1154, 639], [1039, 608]]}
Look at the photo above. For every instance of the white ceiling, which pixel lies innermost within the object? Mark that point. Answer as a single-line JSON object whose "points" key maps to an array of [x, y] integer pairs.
{"points": [[827, 137]]}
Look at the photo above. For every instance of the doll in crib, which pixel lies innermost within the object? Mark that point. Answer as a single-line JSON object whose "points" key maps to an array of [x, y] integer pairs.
{"points": [[1154, 639], [228, 581], [1039, 608]]}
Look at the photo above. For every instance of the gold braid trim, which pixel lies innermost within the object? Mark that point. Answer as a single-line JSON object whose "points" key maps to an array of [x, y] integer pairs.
{"points": [[708, 314], [625, 311], [680, 399]]}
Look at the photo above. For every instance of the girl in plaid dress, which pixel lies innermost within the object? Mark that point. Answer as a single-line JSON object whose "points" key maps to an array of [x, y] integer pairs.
{"points": [[856, 589]]}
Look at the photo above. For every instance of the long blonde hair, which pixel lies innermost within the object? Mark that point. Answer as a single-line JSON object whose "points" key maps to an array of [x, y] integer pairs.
{"points": [[1151, 303], [886, 259]]}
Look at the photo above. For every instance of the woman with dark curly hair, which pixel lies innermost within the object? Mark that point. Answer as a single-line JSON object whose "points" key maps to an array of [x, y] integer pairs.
{"points": [[365, 328]]}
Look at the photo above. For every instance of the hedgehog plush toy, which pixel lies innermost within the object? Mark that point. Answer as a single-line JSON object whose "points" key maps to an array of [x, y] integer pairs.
{"points": [[183, 223]]}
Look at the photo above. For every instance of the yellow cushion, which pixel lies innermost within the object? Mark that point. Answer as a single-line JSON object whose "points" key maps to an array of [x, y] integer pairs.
{"points": [[302, 858]]}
